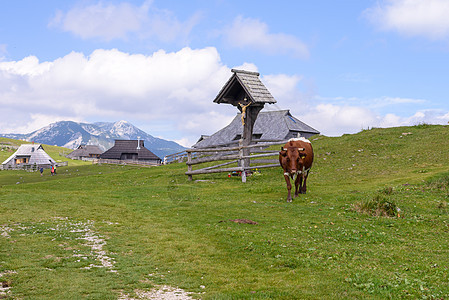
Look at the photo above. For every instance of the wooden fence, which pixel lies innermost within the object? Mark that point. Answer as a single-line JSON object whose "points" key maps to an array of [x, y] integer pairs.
{"points": [[233, 155], [31, 167], [124, 162], [175, 157]]}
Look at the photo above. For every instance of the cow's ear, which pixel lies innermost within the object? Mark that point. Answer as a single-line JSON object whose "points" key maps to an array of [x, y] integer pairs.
{"points": [[302, 154], [283, 152]]}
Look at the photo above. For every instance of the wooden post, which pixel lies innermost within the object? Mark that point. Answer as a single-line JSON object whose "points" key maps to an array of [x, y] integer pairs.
{"points": [[242, 161], [189, 166], [250, 118]]}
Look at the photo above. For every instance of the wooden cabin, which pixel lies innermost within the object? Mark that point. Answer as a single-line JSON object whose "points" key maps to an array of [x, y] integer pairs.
{"points": [[269, 126], [131, 150], [29, 155], [86, 152]]}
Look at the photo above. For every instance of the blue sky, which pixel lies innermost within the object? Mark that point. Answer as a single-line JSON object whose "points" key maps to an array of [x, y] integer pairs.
{"points": [[339, 66]]}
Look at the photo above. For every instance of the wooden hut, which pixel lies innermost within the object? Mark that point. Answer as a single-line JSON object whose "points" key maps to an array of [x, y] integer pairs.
{"points": [[269, 126], [86, 152], [130, 150], [29, 155]]}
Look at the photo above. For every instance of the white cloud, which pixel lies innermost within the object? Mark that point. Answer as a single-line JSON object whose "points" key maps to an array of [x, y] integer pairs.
{"points": [[173, 88], [108, 21], [168, 94], [425, 18], [283, 87], [335, 120], [390, 101], [254, 34]]}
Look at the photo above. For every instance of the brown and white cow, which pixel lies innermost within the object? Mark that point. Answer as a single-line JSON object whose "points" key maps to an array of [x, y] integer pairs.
{"points": [[296, 158]]}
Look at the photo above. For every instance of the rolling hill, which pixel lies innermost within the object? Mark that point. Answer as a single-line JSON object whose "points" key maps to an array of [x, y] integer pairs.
{"points": [[155, 229]]}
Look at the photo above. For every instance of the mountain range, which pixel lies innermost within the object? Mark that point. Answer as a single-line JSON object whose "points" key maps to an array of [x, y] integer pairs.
{"points": [[71, 134]]}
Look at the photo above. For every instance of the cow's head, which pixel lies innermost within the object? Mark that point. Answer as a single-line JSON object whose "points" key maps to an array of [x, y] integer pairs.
{"points": [[292, 159]]}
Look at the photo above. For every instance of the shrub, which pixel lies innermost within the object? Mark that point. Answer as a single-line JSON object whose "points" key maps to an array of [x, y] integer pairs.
{"points": [[378, 206], [387, 190]]}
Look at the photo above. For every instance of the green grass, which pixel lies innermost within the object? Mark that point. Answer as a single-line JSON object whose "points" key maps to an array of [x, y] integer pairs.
{"points": [[160, 229]]}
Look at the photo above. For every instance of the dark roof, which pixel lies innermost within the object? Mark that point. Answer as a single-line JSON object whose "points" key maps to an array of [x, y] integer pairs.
{"points": [[244, 84], [85, 151], [129, 146], [270, 125]]}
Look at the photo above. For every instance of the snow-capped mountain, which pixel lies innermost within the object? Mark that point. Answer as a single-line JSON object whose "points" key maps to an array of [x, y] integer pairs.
{"points": [[71, 134]]}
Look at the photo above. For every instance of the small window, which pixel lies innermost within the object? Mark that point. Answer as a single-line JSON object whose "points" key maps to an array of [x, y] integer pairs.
{"points": [[237, 137]]}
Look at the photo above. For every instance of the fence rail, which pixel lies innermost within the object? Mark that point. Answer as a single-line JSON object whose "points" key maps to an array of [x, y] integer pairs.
{"points": [[175, 157], [238, 154], [124, 162], [182, 156], [32, 167]]}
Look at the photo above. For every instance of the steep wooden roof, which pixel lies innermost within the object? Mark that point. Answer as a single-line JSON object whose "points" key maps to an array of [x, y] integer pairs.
{"points": [[129, 146], [35, 153], [85, 151], [244, 87], [270, 125]]}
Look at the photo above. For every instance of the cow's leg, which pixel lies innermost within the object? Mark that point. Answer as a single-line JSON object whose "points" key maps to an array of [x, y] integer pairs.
{"points": [[301, 183], [289, 188], [298, 181], [304, 185]]}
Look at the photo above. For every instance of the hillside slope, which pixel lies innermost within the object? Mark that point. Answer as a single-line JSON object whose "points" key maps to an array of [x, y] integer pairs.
{"points": [[154, 228], [381, 156]]}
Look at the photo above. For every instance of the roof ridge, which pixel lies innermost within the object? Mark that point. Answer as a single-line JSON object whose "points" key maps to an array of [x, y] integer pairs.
{"points": [[245, 72]]}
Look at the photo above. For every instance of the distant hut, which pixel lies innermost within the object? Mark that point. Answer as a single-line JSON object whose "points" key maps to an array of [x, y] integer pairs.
{"points": [[86, 152], [131, 150], [29, 155], [269, 126]]}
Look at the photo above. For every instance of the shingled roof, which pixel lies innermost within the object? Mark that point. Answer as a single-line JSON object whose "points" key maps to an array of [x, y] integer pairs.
{"points": [[85, 151], [34, 154], [270, 125], [244, 84], [124, 149]]}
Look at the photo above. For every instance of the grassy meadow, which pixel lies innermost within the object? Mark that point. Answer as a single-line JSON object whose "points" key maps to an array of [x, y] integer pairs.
{"points": [[374, 224]]}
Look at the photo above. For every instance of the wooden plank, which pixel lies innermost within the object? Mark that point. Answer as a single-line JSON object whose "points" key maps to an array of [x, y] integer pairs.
{"points": [[264, 151], [207, 150], [202, 171], [262, 166], [223, 149], [266, 144], [189, 167], [264, 161], [221, 165], [262, 155], [212, 158]]}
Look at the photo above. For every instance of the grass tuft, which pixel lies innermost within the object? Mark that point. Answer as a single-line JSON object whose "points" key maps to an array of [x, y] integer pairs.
{"points": [[440, 182], [379, 206]]}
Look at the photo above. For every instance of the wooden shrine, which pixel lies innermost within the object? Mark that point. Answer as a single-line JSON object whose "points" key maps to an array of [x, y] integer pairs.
{"points": [[245, 91]]}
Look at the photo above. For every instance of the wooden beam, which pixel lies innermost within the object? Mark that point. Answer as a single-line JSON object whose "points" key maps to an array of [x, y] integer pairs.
{"points": [[212, 158], [203, 171]]}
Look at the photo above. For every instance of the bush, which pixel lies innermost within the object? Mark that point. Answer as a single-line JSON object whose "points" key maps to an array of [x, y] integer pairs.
{"points": [[378, 206]]}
